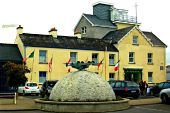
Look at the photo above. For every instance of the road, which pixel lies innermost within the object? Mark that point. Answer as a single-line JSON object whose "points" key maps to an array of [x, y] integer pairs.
{"points": [[155, 108]]}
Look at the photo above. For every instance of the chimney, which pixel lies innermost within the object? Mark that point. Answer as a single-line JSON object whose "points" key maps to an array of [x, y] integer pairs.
{"points": [[19, 30], [53, 32], [77, 33]]}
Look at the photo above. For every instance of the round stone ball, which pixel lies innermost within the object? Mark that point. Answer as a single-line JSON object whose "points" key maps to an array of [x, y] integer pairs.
{"points": [[82, 86]]}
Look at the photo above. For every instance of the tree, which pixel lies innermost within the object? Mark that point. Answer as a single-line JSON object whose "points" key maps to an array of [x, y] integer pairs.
{"points": [[15, 73]]}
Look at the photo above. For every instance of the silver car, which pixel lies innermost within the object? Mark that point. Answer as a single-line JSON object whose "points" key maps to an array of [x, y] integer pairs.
{"points": [[165, 95]]}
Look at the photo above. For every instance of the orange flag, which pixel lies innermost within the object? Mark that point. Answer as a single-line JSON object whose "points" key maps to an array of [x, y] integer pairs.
{"points": [[99, 64]]}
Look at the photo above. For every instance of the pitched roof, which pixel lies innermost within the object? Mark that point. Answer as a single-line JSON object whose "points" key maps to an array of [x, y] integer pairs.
{"points": [[65, 42], [116, 35], [154, 39], [99, 22], [10, 52]]}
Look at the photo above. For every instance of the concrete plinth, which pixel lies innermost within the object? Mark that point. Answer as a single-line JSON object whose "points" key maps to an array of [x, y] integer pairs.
{"points": [[80, 107]]}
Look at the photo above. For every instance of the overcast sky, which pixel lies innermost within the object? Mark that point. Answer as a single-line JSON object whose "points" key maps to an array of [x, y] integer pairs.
{"points": [[38, 16]]}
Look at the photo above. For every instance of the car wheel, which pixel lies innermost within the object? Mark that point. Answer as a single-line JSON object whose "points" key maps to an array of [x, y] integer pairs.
{"points": [[164, 98]]}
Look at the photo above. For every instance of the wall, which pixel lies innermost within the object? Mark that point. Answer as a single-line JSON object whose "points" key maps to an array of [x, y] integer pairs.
{"points": [[125, 46], [123, 25], [92, 31], [60, 57]]}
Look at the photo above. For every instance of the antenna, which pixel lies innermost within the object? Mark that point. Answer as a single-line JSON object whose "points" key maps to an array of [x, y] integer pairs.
{"points": [[136, 12], [9, 25]]}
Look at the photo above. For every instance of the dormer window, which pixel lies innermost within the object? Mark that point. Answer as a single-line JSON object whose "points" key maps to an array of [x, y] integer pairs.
{"points": [[83, 30], [135, 40]]}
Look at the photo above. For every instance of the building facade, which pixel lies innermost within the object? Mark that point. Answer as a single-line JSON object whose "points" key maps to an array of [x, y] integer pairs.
{"points": [[142, 54], [47, 55]]}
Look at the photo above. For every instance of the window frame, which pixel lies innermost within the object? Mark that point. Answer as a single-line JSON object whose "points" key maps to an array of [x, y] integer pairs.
{"points": [[84, 30], [135, 40], [111, 60], [132, 57], [41, 81], [150, 58], [73, 58], [42, 59], [111, 76], [95, 60], [150, 77]]}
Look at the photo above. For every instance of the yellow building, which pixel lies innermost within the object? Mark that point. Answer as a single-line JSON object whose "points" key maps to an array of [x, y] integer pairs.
{"points": [[40, 49], [142, 54], [113, 37]]}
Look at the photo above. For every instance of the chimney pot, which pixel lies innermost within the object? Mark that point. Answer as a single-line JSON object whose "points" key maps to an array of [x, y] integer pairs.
{"points": [[53, 32], [19, 30]]}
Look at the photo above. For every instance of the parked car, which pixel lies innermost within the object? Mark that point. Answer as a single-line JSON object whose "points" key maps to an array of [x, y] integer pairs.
{"points": [[29, 88], [125, 88], [155, 90], [165, 95], [47, 87]]}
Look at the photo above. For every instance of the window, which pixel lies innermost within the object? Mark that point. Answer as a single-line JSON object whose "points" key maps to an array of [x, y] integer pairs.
{"points": [[95, 58], [111, 76], [111, 59], [42, 76], [73, 56], [150, 77], [161, 67], [42, 56], [150, 61], [131, 57], [83, 30], [135, 40]]}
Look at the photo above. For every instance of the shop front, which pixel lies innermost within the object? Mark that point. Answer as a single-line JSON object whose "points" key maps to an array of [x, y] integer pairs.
{"points": [[133, 74]]}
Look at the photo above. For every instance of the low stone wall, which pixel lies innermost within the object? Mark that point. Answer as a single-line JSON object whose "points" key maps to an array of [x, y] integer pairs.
{"points": [[80, 107]]}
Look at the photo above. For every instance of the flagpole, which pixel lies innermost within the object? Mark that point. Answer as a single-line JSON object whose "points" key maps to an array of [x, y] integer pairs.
{"points": [[119, 65], [50, 75], [105, 60], [51, 66], [32, 66]]}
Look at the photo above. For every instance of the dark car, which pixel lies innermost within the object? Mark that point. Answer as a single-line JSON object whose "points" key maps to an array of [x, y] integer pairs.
{"points": [[125, 88], [47, 87], [155, 90]]}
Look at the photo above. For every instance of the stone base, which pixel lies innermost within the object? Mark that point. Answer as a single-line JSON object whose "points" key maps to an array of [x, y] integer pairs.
{"points": [[80, 107]]}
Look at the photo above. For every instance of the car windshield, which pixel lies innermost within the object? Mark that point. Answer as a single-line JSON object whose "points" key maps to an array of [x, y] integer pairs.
{"points": [[31, 84], [132, 84]]}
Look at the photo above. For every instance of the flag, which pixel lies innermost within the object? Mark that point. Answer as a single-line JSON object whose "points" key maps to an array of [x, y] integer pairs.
{"points": [[68, 63], [98, 66], [50, 64], [117, 66], [31, 55], [24, 59]]}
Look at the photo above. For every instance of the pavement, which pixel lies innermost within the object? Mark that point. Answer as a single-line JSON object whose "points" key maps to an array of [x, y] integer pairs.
{"points": [[25, 103]]}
